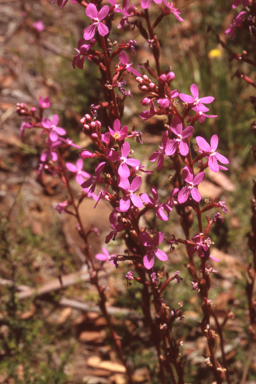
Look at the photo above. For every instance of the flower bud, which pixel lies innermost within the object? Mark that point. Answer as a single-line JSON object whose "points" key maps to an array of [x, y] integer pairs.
{"points": [[139, 80], [88, 118], [170, 76], [145, 101], [151, 85], [162, 79], [145, 77]]}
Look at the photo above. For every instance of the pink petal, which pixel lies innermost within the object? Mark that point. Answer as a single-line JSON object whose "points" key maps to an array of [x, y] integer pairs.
{"points": [[136, 201], [154, 156], [134, 71], [187, 175], [183, 195], [159, 237], [103, 29], [161, 214], [221, 158], [133, 162], [184, 149], [202, 144], [91, 11], [154, 193], [148, 261], [146, 198], [103, 12], [79, 179], [60, 131], [160, 162], [187, 132], [196, 194], [80, 164], [171, 147], [176, 125], [161, 255], [124, 204], [213, 164], [124, 171], [146, 239], [145, 3], [194, 91], [186, 98], [55, 119], [214, 142], [207, 100], [199, 178], [123, 57], [125, 149], [117, 125], [71, 167], [89, 31], [53, 136], [136, 183]]}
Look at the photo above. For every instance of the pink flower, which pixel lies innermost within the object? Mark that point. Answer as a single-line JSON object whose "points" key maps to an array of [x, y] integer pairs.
{"points": [[190, 189], [104, 255], [147, 114], [117, 7], [91, 11], [54, 129], [194, 99], [39, 26], [200, 247], [124, 64], [130, 196], [179, 142], [80, 175], [60, 207], [151, 248], [161, 152], [211, 154], [94, 180], [50, 153], [115, 226], [175, 11], [237, 2], [118, 133], [154, 203], [237, 22], [123, 169], [82, 51], [44, 103]]}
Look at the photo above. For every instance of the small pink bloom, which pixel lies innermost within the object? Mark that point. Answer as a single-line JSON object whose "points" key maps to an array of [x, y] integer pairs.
{"points": [[80, 175], [54, 129], [130, 196], [44, 103], [161, 152], [211, 154], [195, 100], [151, 248], [39, 26], [118, 133], [190, 189], [91, 11], [124, 64], [180, 141], [104, 255], [123, 169], [237, 22]]}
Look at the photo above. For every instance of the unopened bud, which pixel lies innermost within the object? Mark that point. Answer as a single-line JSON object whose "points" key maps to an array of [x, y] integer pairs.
{"points": [[162, 78], [170, 76], [145, 101], [88, 118]]}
